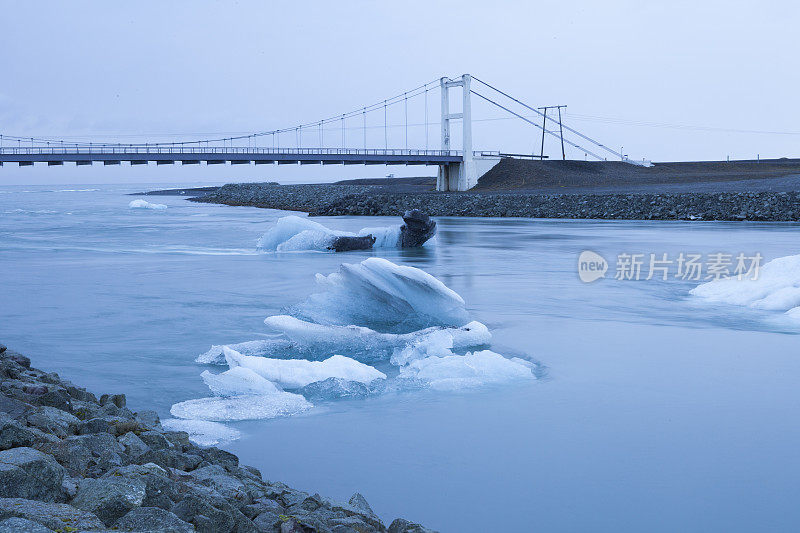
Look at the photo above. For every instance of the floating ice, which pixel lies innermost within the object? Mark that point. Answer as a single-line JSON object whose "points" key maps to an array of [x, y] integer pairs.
{"points": [[777, 288], [293, 234], [466, 371], [144, 204], [215, 356], [437, 344], [295, 373], [338, 388], [237, 381], [203, 432], [361, 343], [385, 297], [247, 407]]}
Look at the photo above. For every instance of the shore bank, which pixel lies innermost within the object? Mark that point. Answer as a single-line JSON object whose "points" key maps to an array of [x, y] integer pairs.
{"points": [[72, 462], [373, 200]]}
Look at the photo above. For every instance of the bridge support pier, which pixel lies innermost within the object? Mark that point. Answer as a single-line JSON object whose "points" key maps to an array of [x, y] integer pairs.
{"points": [[462, 177]]}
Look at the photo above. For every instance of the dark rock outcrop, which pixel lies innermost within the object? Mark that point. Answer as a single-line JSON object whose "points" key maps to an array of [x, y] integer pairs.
{"points": [[418, 228]]}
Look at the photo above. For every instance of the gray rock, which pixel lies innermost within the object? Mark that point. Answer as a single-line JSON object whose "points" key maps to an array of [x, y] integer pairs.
{"points": [[152, 519], [110, 498], [148, 419], [22, 525], [2, 348], [14, 434], [221, 457], [57, 516], [155, 440], [268, 522], [160, 490], [30, 474], [14, 408], [402, 525], [117, 399], [133, 445], [170, 458], [359, 502], [226, 485], [198, 510]]}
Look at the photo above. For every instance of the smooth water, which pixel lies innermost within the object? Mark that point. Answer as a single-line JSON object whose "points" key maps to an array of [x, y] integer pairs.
{"points": [[653, 411]]}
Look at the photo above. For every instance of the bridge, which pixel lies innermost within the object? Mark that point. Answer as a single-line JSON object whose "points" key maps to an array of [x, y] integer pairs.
{"points": [[459, 169]]}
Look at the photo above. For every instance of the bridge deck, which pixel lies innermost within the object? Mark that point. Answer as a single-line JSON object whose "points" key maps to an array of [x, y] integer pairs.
{"points": [[215, 155]]}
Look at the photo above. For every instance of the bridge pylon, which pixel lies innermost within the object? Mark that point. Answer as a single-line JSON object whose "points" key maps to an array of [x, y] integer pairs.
{"points": [[462, 175]]}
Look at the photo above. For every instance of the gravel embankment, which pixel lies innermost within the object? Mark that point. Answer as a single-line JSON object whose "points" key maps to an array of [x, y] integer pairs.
{"points": [[333, 200], [71, 462]]}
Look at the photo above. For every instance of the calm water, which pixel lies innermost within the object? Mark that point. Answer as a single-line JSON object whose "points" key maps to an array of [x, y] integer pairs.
{"points": [[654, 412]]}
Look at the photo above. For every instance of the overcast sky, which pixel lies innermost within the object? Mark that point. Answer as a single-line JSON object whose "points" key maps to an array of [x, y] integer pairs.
{"points": [[666, 80]]}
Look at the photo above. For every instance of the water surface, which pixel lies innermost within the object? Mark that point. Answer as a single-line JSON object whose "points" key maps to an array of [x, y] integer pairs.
{"points": [[653, 411]]}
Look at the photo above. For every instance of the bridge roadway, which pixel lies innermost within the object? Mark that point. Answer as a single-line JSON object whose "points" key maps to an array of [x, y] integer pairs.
{"points": [[166, 155]]}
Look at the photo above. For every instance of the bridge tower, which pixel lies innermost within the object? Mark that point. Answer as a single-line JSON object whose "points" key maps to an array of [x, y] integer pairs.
{"points": [[463, 175]]}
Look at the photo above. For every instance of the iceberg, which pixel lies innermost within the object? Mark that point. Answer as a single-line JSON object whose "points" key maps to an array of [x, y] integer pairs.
{"points": [[294, 234], [144, 204], [474, 369], [202, 432], [777, 288], [245, 407], [296, 373], [383, 296]]}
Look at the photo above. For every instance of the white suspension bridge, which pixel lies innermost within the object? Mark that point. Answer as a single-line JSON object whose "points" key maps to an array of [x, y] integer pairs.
{"points": [[459, 169]]}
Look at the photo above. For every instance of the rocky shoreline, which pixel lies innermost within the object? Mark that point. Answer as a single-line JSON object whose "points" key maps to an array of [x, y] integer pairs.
{"points": [[72, 462], [373, 200]]}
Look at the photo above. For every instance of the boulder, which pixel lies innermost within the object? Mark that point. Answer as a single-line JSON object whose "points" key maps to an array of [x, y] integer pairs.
{"points": [[110, 497], [14, 408], [14, 434], [56, 516], [22, 525], [152, 519], [160, 490], [402, 525], [227, 486], [30, 474], [133, 445], [347, 244], [155, 440]]}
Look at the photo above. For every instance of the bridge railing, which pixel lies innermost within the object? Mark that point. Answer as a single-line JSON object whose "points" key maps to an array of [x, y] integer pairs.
{"points": [[55, 150]]}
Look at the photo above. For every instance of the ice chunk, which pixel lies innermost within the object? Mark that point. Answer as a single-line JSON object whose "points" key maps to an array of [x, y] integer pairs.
{"points": [[293, 234], [144, 204], [237, 381], [365, 344], [436, 344], [338, 388], [295, 373], [383, 296], [202, 432], [777, 288], [466, 371], [214, 356], [247, 407], [385, 236]]}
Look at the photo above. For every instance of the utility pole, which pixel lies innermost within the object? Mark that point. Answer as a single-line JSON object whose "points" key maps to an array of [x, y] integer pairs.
{"points": [[560, 129]]}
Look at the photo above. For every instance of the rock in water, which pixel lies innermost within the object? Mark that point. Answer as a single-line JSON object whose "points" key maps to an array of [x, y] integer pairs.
{"points": [[418, 228], [346, 244]]}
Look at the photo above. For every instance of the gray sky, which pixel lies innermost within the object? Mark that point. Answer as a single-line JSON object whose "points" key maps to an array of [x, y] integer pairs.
{"points": [[666, 80]]}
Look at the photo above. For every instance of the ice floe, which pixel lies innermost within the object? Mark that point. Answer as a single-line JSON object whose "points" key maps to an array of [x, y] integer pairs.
{"points": [[293, 234], [475, 369], [144, 204], [295, 373], [376, 327], [777, 288], [245, 407]]}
